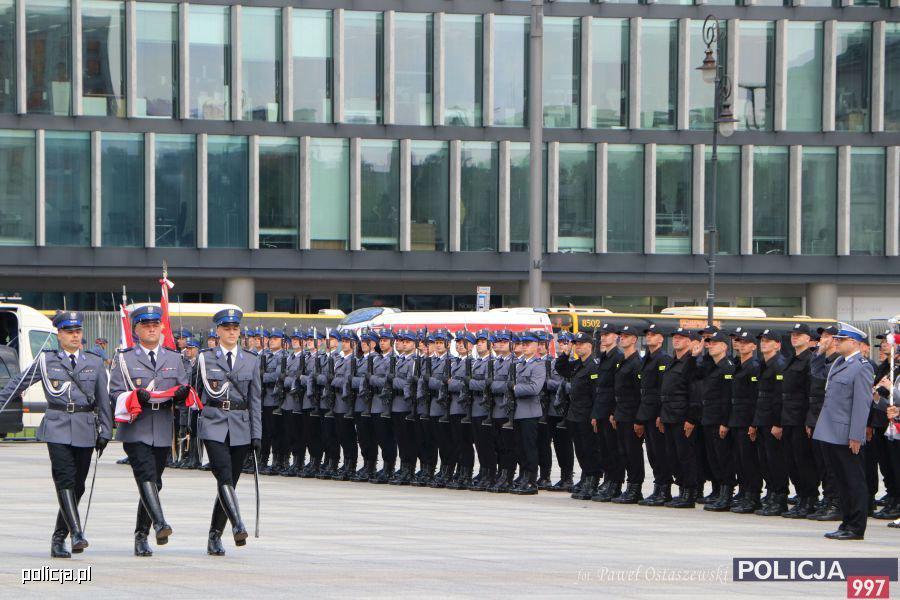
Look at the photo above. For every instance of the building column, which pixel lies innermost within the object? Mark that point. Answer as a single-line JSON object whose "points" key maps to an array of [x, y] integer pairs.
{"points": [[202, 187], [878, 56], [96, 185], [390, 49], [698, 227], [586, 99], [287, 64], [149, 190], [780, 109], [525, 295], [843, 201], [747, 199], [303, 243], [553, 197], [438, 68], [237, 109], [405, 195], [455, 195], [253, 204], [601, 237], [650, 199], [892, 202], [795, 200], [131, 54], [77, 48], [634, 78], [355, 194], [240, 291], [337, 60], [40, 229], [822, 300], [184, 70], [829, 76], [684, 66], [487, 71], [21, 63], [503, 210]]}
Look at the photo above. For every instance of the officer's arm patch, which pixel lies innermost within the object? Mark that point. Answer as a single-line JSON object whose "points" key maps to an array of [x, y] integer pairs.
{"points": [[754, 378], [662, 367], [594, 376], [779, 377], [729, 377]]}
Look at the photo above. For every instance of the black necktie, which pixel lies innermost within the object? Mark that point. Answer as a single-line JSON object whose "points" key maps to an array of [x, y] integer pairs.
{"points": [[72, 360], [152, 356], [228, 358]]}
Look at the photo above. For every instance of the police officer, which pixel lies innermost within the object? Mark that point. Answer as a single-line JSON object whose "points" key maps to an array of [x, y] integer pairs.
{"points": [[382, 383], [526, 387], [292, 407], [504, 438], [344, 405], [213, 339], [327, 400], [842, 427], [189, 434], [312, 420], [438, 422], [147, 438], [743, 409], [362, 411], [461, 407], [627, 380], [609, 356], [654, 363], [795, 404], [766, 424], [558, 431], [717, 403], [405, 385], [480, 386], [231, 421], [819, 365], [78, 420]]}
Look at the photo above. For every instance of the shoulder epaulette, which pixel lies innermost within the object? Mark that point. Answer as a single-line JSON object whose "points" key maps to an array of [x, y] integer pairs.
{"points": [[125, 349], [208, 349], [94, 353], [248, 351]]}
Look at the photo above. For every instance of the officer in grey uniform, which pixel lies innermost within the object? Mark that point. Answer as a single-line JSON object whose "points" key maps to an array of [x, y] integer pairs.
{"points": [[147, 439], [365, 398], [842, 429], [505, 438], [188, 439], [78, 420], [346, 433], [405, 385], [531, 374], [384, 369], [274, 430], [485, 443], [306, 383], [441, 367], [460, 410], [327, 400], [231, 421], [291, 407]]}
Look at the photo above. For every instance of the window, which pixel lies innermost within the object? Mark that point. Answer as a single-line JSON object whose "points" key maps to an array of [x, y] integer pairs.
{"points": [[380, 194], [260, 64], [279, 192], [609, 72], [659, 77], [701, 95], [48, 56], [770, 200], [463, 70], [430, 201], [625, 198], [17, 188], [7, 56], [804, 76], [329, 169], [728, 194], [479, 196], [122, 189], [363, 66], [210, 62], [853, 76], [819, 201], [511, 35], [753, 93], [673, 199], [156, 57], [103, 58], [413, 73], [892, 77], [562, 71], [577, 197], [67, 212], [313, 65], [519, 195], [176, 191], [227, 209], [867, 201]]}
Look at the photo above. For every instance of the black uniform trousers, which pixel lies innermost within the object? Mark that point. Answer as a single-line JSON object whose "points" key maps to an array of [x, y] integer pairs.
{"points": [[586, 444], [296, 435], [485, 443], [772, 457], [633, 451], [147, 464], [330, 442], [611, 454], [365, 433], [69, 466], [384, 433], [656, 453], [704, 468], [506, 445], [853, 493], [269, 435], [800, 462], [405, 434], [426, 440], [444, 438], [312, 429], [462, 441], [719, 455], [746, 453], [346, 435], [562, 445], [825, 474], [682, 453], [878, 457], [526, 431], [225, 461]]}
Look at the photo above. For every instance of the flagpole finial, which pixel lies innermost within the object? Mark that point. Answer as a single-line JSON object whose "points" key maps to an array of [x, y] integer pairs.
{"points": [[165, 269]]}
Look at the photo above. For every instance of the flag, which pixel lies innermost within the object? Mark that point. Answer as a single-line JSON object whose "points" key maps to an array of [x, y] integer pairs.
{"points": [[168, 336], [126, 341], [128, 407]]}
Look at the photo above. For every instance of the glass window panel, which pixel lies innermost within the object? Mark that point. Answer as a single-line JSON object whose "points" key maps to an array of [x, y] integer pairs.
{"points": [[103, 58], [17, 188], [853, 76], [67, 164], [892, 77], [479, 196], [227, 208], [562, 71], [329, 169], [770, 200], [674, 198], [210, 62], [659, 77], [519, 192], [462, 71], [156, 44], [430, 198], [48, 57], [279, 192], [728, 193], [122, 189], [176, 191], [577, 197], [625, 198], [819, 201], [754, 100], [427, 302], [511, 35], [867, 201], [313, 65], [380, 194], [413, 72], [609, 72], [7, 56], [260, 64], [774, 3], [701, 94], [363, 63], [804, 76]]}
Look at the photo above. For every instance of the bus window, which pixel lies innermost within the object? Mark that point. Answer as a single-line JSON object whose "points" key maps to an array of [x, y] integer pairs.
{"points": [[39, 341], [561, 322]]}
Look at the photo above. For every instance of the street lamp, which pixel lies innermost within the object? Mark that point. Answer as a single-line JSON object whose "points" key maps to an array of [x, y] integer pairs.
{"points": [[713, 71]]}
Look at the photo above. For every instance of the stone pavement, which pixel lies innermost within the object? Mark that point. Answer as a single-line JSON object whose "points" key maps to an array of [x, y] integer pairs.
{"points": [[324, 539]]}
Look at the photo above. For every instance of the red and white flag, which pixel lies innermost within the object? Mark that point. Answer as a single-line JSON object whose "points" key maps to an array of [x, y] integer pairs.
{"points": [[126, 340], [168, 335]]}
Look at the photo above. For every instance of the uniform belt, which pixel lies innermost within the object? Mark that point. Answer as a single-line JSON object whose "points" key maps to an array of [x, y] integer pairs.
{"points": [[71, 407], [156, 405], [793, 396], [227, 405]]}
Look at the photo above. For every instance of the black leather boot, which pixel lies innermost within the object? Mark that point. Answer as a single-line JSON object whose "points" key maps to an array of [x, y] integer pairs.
{"points": [[527, 486], [464, 480], [485, 481], [890, 511], [58, 544], [141, 532], [346, 472], [214, 545], [229, 501], [687, 499], [402, 476], [385, 475], [442, 478], [613, 490], [747, 505], [478, 477], [69, 507], [711, 497], [503, 483], [631, 495], [802, 509], [150, 499], [831, 512], [587, 489], [543, 482], [777, 505], [723, 502], [564, 484], [648, 501], [311, 469]]}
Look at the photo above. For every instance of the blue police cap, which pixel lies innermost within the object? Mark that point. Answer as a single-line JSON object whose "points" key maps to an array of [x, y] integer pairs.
{"points": [[193, 343], [515, 338], [213, 334], [529, 336], [68, 320], [502, 335], [228, 315], [484, 334], [849, 331], [628, 330], [405, 334], [369, 336], [297, 333], [441, 335], [276, 333], [565, 337], [150, 312], [183, 333], [384, 334], [334, 333], [349, 336], [465, 336]]}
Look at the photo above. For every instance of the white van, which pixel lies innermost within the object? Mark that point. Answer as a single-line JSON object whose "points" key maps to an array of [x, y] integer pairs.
{"points": [[28, 332]]}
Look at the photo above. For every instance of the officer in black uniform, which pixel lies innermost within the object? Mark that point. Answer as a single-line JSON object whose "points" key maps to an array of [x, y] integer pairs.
{"points": [[819, 365], [877, 450], [611, 459], [654, 363], [717, 400], [628, 400], [743, 409], [794, 406], [767, 423]]}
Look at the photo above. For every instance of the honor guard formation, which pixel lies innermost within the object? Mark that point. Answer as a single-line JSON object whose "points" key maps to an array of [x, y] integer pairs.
{"points": [[736, 409]]}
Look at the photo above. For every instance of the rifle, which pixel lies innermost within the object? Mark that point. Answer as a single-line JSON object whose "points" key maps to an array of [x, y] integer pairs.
{"points": [[426, 398], [367, 392], [351, 393], [387, 392], [316, 398], [487, 398], [414, 401], [299, 389], [280, 392], [328, 393], [545, 394], [562, 395], [466, 398], [510, 398], [444, 399]]}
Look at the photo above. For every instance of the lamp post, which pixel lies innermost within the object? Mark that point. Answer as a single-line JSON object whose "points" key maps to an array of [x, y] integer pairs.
{"points": [[713, 71], [536, 126]]}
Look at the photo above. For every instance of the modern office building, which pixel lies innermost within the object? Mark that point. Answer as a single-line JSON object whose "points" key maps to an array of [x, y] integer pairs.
{"points": [[301, 154]]}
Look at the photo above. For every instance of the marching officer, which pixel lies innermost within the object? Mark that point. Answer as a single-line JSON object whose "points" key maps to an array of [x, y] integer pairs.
{"points": [[627, 383], [78, 421], [190, 414], [438, 412], [405, 385], [382, 382], [461, 407], [743, 409], [146, 438], [312, 421], [526, 389], [273, 431], [365, 401], [556, 421], [653, 365], [327, 399], [342, 408], [504, 438], [766, 424], [231, 421], [795, 404], [291, 408], [717, 403], [480, 387]]}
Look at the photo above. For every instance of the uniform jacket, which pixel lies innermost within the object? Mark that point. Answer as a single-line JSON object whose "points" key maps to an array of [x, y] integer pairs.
{"points": [[675, 398], [628, 388], [477, 385], [382, 388], [441, 367], [653, 365], [582, 376], [717, 393], [744, 394], [238, 425], [554, 382], [315, 362], [768, 403], [605, 396], [458, 383], [819, 365], [531, 374], [848, 396], [341, 381], [271, 375], [291, 402], [502, 366], [795, 389], [405, 384]]}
